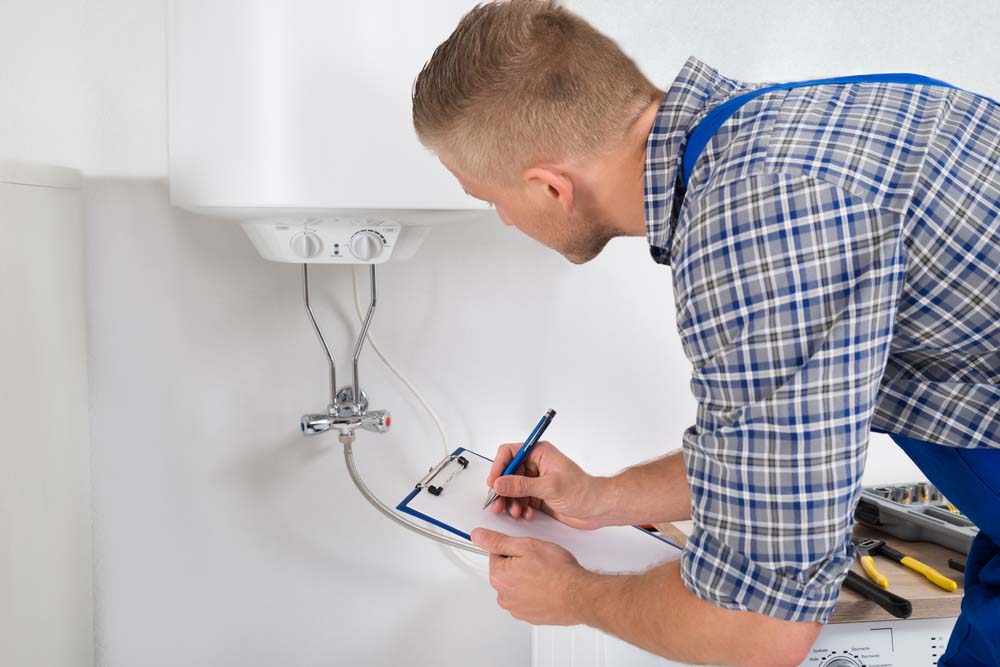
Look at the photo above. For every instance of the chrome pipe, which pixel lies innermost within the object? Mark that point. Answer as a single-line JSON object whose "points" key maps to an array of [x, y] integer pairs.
{"points": [[380, 506], [362, 336], [326, 348]]}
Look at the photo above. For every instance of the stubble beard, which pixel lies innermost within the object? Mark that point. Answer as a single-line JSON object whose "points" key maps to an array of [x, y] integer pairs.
{"points": [[588, 240]]}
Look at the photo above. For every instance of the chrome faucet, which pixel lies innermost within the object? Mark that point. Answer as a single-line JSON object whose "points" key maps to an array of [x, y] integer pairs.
{"points": [[347, 415], [344, 412]]}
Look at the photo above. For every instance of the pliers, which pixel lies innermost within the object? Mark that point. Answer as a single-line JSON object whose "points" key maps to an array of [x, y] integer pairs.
{"points": [[867, 548], [864, 547]]}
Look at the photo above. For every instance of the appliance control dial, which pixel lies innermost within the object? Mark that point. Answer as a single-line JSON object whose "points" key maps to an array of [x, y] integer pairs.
{"points": [[367, 245], [841, 661], [307, 245]]}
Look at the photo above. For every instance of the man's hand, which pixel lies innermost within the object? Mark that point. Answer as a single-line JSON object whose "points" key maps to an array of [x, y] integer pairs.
{"points": [[549, 481], [535, 580]]}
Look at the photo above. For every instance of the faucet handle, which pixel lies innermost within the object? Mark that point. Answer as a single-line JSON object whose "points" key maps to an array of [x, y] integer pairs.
{"points": [[378, 421], [315, 424]]}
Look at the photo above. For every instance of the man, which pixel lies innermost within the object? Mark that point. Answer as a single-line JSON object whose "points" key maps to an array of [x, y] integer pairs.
{"points": [[835, 264]]}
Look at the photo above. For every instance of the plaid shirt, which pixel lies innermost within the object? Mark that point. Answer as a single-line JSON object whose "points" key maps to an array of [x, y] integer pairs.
{"points": [[836, 271]]}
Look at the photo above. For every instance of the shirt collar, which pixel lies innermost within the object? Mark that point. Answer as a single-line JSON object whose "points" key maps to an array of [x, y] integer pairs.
{"points": [[688, 98]]}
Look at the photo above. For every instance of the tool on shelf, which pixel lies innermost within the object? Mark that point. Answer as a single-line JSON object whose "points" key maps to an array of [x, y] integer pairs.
{"points": [[872, 547], [898, 606], [868, 563], [916, 513]]}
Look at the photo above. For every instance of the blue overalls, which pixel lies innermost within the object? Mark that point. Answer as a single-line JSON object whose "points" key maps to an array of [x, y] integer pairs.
{"points": [[969, 478]]}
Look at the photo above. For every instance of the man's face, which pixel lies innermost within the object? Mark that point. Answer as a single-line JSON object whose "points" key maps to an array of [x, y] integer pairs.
{"points": [[538, 210]]}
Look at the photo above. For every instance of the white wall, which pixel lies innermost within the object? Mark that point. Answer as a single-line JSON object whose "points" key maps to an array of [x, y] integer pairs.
{"points": [[43, 79], [222, 537], [46, 566]]}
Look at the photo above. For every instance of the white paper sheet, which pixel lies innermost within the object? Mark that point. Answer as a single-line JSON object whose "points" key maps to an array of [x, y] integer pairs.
{"points": [[459, 509]]}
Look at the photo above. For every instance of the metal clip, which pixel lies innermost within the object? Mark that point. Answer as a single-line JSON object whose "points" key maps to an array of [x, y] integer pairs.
{"points": [[433, 472]]}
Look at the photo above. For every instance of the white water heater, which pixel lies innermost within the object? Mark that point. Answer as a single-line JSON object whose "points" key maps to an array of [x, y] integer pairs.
{"points": [[296, 116]]}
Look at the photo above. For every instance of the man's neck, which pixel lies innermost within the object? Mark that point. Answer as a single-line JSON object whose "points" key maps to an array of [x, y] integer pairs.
{"points": [[635, 223], [619, 177]]}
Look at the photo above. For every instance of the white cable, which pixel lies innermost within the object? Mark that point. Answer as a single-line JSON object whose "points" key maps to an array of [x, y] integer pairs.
{"points": [[479, 564]]}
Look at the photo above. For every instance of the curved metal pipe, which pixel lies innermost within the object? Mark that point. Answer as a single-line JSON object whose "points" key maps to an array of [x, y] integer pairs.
{"points": [[322, 340], [380, 506], [361, 340]]}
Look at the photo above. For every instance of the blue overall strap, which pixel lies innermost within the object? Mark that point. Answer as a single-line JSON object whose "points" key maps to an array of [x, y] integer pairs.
{"points": [[712, 121]]}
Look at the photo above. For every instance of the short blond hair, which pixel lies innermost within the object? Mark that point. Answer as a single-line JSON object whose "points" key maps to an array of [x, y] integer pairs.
{"points": [[520, 82]]}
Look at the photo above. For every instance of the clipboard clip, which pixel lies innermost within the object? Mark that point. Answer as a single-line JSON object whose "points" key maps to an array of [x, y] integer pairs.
{"points": [[455, 463]]}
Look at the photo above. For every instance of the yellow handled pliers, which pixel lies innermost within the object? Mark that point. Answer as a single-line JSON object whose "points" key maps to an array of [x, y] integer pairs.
{"points": [[863, 547], [867, 548]]}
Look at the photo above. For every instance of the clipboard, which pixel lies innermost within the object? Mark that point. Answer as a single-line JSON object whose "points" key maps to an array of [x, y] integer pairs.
{"points": [[451, 497]]}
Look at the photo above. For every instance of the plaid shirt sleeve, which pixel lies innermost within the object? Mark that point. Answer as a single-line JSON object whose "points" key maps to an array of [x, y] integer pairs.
{"points": [[786, 289]]}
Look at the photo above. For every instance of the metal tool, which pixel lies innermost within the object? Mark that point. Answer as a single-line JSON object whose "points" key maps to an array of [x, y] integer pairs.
{"points": [[898, 606], [868, 563], [916, 513], [872, 547], [924, 492], [903, 494]]}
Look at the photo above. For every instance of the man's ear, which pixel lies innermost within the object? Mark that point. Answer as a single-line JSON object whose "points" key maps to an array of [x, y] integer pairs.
{"points": [[550, 181]]}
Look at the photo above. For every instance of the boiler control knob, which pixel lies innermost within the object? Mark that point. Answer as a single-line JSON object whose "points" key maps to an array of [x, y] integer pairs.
{"points": [[366, 245], [307, 245]]}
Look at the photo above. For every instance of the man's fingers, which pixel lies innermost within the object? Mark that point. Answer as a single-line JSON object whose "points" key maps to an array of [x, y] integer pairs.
{"points": [[519, 486], [499, 465], [515, 508], [505, 454], [498, 543]]}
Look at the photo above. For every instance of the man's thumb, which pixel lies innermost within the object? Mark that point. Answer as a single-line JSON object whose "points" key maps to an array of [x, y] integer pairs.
{"points": [[499, 543], [519, 486]]}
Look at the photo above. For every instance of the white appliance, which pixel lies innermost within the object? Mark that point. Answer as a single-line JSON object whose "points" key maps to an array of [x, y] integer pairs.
{"points": [[330, 239], [301, 110], [910, 643], [46, 564], [294, 117]]}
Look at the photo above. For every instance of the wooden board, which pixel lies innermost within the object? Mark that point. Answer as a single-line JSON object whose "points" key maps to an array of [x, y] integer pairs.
{"points": [[928, 600]]}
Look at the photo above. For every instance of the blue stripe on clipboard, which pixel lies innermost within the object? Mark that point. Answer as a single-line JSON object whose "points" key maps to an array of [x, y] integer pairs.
{"points": [[404, 507]]}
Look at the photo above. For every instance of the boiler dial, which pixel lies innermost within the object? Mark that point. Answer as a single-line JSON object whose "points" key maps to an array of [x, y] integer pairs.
{"points": [[307, 245], [367, 245]]}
